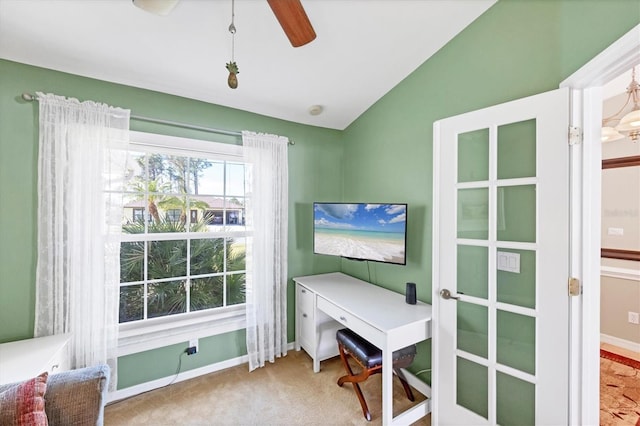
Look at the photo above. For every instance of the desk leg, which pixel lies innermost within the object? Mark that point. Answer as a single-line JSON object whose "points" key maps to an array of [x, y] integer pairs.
{"points": [[387, 387]]}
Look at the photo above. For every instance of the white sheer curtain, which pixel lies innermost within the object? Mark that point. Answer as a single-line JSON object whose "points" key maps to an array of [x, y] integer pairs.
{"points": [[267, 221], [82, 155]]}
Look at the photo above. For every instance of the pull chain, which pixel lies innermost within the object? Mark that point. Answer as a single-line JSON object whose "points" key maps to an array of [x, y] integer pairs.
{"points": [[232, 67], [232, 30]]}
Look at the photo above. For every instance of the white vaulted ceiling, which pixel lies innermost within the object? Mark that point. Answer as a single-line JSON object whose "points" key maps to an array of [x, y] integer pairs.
{"points": [[362, 50]]}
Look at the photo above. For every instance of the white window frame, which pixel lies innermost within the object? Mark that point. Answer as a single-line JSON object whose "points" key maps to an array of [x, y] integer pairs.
{"points": [[163, 331]]}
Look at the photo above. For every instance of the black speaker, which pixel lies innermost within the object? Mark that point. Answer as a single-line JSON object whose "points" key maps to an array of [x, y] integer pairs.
{"points": [[411, 293]]}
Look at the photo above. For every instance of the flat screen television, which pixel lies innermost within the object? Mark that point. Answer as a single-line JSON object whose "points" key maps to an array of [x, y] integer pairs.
{"points": [[361, 231]]}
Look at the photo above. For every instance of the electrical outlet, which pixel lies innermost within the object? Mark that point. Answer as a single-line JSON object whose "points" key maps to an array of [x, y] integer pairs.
{"points": [[634, 317], [193, 343]]}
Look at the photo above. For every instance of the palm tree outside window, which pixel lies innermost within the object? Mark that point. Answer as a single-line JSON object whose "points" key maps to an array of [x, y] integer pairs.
{"points": [[189, 255]]}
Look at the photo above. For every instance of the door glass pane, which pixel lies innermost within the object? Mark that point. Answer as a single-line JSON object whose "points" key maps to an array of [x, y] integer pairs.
{"points": [[517, 150], [472, 327], [472, 386], [473, 213], [517, 213], [516, 403], [516, 341], [473, 156], [518, 288], [473, 265]]}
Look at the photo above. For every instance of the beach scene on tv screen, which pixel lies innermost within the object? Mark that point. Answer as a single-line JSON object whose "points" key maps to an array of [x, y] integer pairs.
{"points": [[361, 231]]}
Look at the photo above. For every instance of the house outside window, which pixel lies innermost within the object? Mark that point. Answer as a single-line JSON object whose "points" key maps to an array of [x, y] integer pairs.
{"points": [[180, 267]]}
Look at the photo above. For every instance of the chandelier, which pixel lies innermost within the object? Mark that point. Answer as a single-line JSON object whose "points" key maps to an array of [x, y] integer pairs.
{"points": [[630, 122]]}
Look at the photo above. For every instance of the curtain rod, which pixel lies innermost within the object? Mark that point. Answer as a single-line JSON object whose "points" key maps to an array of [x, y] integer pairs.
{"points": [[30, 98]]}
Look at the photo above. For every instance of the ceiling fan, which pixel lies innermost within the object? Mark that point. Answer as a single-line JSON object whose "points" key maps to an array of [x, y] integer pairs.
{"points": [[289, 13]]}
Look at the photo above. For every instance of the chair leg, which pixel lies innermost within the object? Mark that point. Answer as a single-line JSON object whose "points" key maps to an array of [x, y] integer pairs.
{"points": [[353, 379], [343, 357], [363, 403], [405, 385]]}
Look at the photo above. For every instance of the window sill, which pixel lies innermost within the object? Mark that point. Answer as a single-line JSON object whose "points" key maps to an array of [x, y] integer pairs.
{"points": [[160, 332]]}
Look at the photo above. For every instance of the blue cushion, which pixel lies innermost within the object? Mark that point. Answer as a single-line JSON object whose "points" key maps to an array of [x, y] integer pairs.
{"points": [[368, 354]]}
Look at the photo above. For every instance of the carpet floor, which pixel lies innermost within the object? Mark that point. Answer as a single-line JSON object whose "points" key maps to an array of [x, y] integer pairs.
{"points": [[286, 392], [619, 390]]}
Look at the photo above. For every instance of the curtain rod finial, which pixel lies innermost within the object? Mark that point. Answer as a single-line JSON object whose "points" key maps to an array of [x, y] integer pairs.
{"points": [[28, 97]]}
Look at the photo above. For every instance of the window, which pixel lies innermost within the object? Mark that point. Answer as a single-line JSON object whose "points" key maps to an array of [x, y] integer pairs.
{"points": [[173, 215], [138, 214], [179, 263]]}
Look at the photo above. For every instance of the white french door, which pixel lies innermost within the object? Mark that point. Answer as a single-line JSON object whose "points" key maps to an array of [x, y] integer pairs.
{"points": [[501, 262]]}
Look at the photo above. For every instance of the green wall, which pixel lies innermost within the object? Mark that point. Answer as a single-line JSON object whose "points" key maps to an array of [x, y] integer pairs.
{"points": [[315, 172], [516, 49]]}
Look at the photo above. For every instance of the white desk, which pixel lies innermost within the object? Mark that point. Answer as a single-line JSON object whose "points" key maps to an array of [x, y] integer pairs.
{"points": [[379, 315]]}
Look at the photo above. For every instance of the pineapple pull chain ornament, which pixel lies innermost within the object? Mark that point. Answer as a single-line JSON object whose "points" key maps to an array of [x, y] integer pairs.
{"points": [[232, 67]]}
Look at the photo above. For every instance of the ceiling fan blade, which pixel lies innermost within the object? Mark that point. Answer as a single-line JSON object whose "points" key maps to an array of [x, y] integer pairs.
{"points": [[294, 21]]}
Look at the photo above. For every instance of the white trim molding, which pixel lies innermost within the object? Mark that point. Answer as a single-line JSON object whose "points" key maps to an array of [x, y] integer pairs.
{"points": [[169, 380], [622, 273], [167, 331], [586, 162], [621, 343], [616, 59], [180, 377]]}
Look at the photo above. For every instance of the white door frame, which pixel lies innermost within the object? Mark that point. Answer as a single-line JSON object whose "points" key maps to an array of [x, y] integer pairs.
{"points": [[586, 163]]}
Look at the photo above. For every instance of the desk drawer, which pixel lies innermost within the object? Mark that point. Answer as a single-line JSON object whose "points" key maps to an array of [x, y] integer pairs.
{"points": [[305, 298], [352, 322], [305, 317]]}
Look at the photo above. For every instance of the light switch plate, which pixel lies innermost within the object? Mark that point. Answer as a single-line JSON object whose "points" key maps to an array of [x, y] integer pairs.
{"points": [[509, 262]]}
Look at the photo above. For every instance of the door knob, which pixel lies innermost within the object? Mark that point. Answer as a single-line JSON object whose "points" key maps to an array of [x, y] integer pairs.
{"points": [[446, 294]]}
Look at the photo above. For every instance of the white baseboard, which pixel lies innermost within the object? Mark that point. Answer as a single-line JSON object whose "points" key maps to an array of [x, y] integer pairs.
{"points": [[159, 383], [190, 374], [621, 343], [416, 383]]}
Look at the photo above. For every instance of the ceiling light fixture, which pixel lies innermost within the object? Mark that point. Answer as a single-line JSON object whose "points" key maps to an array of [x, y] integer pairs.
{"points": [[630, 122], [159, 7], [232, 67]]}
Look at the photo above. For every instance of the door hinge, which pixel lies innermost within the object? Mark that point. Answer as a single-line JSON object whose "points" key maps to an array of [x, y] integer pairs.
{"points": [[574, 287], [575, 135]]}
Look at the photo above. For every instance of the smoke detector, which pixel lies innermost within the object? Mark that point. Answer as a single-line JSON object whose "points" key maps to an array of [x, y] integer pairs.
{"points": [[315, 109]]}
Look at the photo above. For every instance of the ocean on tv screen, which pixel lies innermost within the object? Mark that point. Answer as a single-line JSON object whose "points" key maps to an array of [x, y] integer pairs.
{"points": [[374, 232]]}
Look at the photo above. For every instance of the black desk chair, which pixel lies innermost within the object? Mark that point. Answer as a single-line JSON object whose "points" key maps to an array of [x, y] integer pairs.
{"points": [[369, 357]]}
